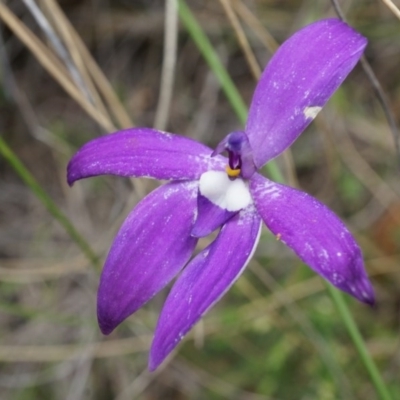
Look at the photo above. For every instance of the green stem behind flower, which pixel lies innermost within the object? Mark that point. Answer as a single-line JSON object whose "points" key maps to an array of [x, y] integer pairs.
{"points": [[358, 341], [52, 207], [240, 109], [224, 79]]}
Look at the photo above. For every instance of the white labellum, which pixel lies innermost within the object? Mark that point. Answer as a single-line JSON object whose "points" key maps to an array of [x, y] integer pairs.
{"points": [[231, 195]]}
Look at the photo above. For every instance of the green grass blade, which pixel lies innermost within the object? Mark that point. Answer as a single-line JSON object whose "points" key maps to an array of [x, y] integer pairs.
{"points": [[215, 64], [51, 206], [358, 341], [208, 52]]}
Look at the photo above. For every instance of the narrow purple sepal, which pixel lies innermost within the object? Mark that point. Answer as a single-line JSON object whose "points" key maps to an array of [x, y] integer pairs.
{"points": [[143, 152], [204, 281], [152, 246], [209, 217], [315, 234], [298, 81]]}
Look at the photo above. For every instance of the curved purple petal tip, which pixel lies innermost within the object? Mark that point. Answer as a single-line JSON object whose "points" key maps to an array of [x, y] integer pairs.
{"points": [[152, 246], [315, 234], [298, 81], [204, 281]]}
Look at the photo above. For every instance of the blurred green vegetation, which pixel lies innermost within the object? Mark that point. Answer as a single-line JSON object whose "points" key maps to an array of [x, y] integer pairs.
{"points": [[276, 334]]}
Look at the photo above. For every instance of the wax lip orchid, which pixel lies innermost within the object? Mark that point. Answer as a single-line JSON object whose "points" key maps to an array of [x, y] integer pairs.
{"points": [[208, 192]]}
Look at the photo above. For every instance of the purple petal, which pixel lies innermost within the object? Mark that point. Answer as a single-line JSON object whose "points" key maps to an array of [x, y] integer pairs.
{"points": [[143, 152], [298, 81], [152, 246], [204, 281], [315, 234], [209, 217]]}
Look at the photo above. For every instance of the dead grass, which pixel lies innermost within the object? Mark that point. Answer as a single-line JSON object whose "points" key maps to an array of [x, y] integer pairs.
{"points": [[250, 346]]}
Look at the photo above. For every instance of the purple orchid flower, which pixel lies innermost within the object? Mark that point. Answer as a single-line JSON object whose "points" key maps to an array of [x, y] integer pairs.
{"points": [[208, 191]]}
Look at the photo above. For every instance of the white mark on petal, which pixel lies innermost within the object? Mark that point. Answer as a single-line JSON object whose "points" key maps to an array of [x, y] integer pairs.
{"points": [[269, 189], [247, 214], [311, 112], [209, 162], [308, 247], [324, 254], [190, 187]]}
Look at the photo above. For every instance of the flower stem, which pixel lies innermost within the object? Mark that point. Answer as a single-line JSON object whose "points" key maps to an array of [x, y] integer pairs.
{"points": [[51, 206], [358, 341], [236, 101]]}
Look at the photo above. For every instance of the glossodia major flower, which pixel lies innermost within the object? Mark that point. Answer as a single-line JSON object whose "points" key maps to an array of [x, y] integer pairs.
{"points": [[209, 192]]}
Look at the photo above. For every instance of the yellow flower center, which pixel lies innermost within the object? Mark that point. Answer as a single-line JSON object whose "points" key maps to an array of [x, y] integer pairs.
{"points": [[233, 173]]}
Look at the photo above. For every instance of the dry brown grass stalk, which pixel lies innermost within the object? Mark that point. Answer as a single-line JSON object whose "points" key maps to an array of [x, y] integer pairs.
{"points": [[81, 51], [54, 353], [392, 7], [50, 62]]}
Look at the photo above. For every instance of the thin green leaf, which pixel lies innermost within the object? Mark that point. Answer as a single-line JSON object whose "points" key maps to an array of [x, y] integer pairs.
{"points": [[51, 206]]}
